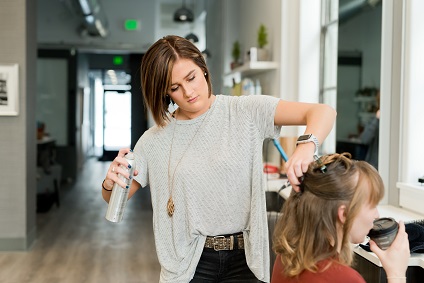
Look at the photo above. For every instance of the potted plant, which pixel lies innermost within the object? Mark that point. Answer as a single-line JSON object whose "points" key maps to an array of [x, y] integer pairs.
{"points": [[260, 53], [235, 53], [262, 36]]}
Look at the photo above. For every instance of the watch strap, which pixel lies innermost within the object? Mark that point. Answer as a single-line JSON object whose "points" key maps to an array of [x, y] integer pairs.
{"points": [[311, 138]]}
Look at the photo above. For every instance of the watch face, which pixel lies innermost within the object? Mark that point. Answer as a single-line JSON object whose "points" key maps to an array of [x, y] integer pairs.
{"points": [[304, 137]]}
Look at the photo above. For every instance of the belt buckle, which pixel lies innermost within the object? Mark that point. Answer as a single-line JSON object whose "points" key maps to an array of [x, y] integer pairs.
{"points": [[216, 245]]}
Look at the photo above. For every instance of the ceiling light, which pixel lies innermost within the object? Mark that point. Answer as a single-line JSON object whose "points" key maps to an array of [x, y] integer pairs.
{"points": [[206, 53], [192, 37], [183, 14]]}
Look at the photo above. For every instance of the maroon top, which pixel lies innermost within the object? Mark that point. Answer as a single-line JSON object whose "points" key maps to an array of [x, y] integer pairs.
{"points": [[334, 274]]}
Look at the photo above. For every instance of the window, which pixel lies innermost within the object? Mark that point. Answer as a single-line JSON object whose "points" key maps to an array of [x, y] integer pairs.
{"points": [[328, 62]]}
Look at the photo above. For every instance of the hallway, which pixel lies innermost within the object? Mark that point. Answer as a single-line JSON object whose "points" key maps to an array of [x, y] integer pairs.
{"points": [[76, 244]]}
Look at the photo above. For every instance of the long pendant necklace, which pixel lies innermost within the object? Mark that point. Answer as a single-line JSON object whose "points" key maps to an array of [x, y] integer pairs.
{"points": [[170, 206]]}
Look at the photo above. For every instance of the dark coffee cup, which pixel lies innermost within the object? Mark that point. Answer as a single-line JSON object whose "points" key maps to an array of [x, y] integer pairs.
{"points": [[384, 232]]}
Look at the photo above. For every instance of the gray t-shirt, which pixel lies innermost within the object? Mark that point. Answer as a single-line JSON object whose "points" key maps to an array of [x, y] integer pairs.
{"points": [[218, 184]]}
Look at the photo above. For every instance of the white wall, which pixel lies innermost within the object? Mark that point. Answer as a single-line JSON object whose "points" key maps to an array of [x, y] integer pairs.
{"points": [[241, 22], [411, 149], [402, 63], [300, 54], [18, 133], [294, 42], [294, 31], [242, 19], [413, 95]]}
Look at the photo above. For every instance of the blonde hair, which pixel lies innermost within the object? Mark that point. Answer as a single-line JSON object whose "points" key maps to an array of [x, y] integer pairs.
{"points": [[306, 233], [156, 72]]}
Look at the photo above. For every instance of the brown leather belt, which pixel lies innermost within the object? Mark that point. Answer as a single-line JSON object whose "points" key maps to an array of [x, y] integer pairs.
{"points": [[225, 243]]}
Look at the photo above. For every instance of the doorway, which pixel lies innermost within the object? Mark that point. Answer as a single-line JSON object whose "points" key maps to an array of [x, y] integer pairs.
{"points": [[112, 108], [117, 121]]}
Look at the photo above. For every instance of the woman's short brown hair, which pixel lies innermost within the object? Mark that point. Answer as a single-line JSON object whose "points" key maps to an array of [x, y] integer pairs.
{"points": [[306, 233], [156, 72]]}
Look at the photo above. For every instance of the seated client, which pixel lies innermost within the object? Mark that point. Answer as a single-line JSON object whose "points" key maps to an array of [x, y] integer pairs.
{"points": [[335, 208]]}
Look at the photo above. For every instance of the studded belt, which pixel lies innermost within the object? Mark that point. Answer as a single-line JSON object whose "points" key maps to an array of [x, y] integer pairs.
{"points": [[225, 243]]}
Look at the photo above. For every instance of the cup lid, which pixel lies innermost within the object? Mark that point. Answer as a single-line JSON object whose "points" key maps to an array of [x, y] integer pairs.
{"points": [[383, 226]]}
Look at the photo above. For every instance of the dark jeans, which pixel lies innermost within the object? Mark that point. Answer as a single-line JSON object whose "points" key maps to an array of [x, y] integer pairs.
{"points": [[223, 266]]}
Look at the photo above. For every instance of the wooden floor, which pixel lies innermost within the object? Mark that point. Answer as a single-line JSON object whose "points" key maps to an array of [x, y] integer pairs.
{"points": [[76, 244]]}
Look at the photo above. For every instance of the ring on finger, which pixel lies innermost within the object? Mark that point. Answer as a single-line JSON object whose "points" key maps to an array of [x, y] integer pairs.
{"points": [[113, 169]]}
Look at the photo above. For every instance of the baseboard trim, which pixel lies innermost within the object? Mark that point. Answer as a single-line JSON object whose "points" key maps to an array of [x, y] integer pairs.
{"points": [[18, 244]]}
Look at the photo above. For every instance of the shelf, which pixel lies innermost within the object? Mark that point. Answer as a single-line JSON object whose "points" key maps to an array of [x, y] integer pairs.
{"points": [[364, 99], [366, 115], [254, 68]]}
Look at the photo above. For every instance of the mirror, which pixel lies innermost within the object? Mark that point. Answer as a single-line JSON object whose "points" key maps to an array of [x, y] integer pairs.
{"points": [[358, 78]]}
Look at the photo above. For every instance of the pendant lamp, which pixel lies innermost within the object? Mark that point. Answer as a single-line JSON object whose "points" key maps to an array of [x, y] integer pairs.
{"points": [[206, 53], [192, 37], [183, 14]]}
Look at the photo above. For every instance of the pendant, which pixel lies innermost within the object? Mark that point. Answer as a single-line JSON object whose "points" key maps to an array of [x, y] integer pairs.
{"points": [[170, 207]]}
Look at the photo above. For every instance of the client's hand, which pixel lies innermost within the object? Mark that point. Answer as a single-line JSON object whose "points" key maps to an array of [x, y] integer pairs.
{"points": [[395, 258]]}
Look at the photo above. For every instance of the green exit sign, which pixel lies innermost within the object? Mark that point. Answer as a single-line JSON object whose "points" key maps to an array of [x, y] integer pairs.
{"points": [[118, 60], [132, 24]]}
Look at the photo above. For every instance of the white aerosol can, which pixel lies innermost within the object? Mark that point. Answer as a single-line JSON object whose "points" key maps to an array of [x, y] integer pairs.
{"points": [[118, 199]]}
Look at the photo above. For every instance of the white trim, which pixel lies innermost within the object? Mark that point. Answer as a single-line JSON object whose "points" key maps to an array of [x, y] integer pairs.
{"points": [[410, 151], [411, 197], [299, 61], [392, 48]]}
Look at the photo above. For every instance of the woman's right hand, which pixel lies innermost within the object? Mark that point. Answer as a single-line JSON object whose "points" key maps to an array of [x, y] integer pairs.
{"points": [[395, 258], [115, 169]]}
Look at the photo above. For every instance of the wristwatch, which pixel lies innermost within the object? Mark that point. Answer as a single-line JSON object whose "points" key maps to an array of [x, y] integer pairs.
{"points": [[308, 138]]}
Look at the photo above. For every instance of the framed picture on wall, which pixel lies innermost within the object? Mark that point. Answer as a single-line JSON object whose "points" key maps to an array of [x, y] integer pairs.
{"points": [[9, 90]]}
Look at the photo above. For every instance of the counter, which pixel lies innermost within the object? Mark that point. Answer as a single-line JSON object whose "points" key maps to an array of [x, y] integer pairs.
{"points": [[369, 266]]}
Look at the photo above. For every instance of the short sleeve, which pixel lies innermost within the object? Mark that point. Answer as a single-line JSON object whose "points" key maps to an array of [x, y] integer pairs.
{"points": [[260, 109]]}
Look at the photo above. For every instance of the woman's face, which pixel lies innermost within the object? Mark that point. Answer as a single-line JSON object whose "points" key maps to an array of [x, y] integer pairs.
{"points": [[189, 89], [363, 223]]}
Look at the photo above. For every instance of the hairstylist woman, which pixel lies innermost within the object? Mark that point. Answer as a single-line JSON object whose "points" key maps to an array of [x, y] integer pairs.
{"points": [[335, 207], [203, 163]]}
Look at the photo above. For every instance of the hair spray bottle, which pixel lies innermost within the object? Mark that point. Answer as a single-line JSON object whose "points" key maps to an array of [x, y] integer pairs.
{"points": [[118, 199]]}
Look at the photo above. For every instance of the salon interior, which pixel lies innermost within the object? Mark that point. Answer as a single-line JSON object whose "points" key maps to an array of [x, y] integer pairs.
{"points": [[78, 101]]}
